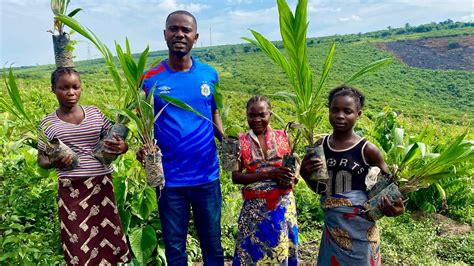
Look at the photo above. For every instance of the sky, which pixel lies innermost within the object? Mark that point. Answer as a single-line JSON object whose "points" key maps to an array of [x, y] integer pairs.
{"points": [[25, 39]]}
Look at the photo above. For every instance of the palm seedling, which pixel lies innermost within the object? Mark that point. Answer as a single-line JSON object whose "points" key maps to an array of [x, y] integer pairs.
{"points": [[131, 71], [54, 148], [413, 164], [305, 95], [132, 97], [61, 40], [230, 143]]}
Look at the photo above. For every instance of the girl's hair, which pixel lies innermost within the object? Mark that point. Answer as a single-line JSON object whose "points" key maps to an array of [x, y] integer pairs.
{"points": [[62, 71], [345, 90], [258, 98]]}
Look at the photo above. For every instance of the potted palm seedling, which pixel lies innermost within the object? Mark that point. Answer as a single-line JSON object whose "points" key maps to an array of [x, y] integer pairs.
{"points": [[413, 164], [55, 148], [131, 71], [133, 98], [61, 40], [305, 95], [230, 146]]}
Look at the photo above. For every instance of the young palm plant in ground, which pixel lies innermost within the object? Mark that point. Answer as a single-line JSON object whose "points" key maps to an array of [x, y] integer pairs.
{"points": [[413, 164], [55, 148], [61, 40]]}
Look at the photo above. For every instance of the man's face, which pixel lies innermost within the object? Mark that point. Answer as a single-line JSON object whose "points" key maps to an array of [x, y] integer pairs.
{"points": [[180, 34]]}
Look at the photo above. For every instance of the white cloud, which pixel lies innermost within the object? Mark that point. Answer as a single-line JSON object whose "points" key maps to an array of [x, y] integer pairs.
{"points": [[468, 18], [351, 18], [172, 5]]}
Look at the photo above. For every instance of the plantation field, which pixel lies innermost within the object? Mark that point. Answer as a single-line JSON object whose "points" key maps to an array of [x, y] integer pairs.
{"points": [[440, 100]]}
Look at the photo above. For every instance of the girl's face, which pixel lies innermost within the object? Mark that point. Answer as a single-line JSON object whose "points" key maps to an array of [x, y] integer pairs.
{"points": [[258, 117], [343, 113], [68, 90]]}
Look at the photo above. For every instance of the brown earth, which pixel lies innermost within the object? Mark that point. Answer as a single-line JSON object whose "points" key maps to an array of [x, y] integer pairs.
{"points": [[446, 226], [434, 53]]}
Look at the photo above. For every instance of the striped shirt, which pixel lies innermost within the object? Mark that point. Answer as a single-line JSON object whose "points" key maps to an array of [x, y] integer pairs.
{"points": [[81, 138]]}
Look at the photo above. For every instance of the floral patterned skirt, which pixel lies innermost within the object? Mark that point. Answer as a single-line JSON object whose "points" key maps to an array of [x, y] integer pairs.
{"points": [[267, 236], [348, 237]]}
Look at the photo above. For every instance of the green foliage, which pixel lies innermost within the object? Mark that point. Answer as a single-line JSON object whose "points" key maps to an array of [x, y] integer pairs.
{"points": [[405, 240], [439, 98], [416, 164], [230, 128], [29, 228], [17, 108], [137, 206], [305, 97], [59, 7]]}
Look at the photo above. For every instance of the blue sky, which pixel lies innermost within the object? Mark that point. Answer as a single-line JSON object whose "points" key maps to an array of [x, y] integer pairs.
{"points": [[25, 40]]}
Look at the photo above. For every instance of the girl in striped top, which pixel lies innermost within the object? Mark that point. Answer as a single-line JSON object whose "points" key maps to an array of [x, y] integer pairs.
{"points": [[91, 231]]}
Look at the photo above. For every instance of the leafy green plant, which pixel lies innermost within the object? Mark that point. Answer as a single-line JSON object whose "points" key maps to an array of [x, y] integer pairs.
{"points": [[63, 46], [414, 164], [230, 129], [59, 8], [305, 96], [137, 206], [421, 169], [131, 70], [17, 109]]}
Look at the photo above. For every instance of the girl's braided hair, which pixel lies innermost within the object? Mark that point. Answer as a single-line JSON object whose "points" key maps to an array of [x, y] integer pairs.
{"points": [[58, 72], [345, 90]]}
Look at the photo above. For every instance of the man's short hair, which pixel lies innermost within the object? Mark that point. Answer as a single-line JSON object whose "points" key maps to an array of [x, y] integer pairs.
{"points": [[182, 12]]}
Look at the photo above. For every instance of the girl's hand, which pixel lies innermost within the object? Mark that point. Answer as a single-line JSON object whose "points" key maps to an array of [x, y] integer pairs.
{"points": [[63, 162], [309, 166], [389, 209], [115, 145]]}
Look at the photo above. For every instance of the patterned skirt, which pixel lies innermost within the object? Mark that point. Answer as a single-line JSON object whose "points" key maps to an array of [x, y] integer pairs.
{"points": [[267, 234], [348, 237], [91, 231]]}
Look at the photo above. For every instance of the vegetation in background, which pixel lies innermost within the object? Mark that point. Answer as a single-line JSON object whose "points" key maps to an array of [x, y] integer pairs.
{"points": [[443, 99]]}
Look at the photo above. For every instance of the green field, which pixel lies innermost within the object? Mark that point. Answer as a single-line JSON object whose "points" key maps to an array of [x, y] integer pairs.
{"points": [[422, 98]]}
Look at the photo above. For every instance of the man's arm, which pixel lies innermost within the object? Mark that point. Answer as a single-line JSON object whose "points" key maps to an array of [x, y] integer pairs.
{"points": [[218, 130]]}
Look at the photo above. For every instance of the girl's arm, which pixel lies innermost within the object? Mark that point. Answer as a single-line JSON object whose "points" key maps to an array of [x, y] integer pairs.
{"points": [[281, 175], [374, 158], [45, 162]]}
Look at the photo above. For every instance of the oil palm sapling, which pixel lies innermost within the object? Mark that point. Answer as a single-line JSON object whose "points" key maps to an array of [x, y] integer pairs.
{"points": [[55, 148], [61, 40], [412, 164], [305, 97]]}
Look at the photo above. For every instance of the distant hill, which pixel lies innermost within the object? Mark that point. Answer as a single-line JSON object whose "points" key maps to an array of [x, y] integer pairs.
{"points": [[445, 94]]}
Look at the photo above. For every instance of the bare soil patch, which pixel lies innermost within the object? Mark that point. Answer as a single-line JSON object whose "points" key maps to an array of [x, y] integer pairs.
{"points": [[446, 226], [434, 53]]}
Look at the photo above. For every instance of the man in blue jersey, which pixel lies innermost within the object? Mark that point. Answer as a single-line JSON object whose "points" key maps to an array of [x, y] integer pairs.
{"points": [[187, 143]]}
